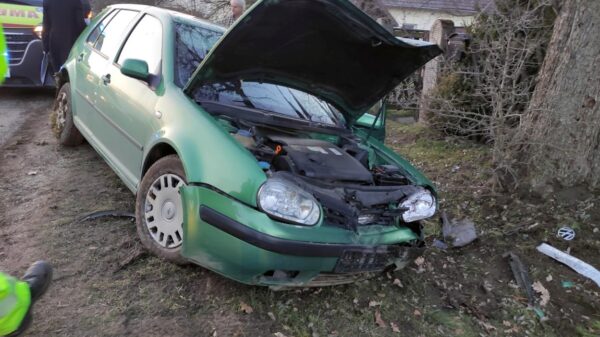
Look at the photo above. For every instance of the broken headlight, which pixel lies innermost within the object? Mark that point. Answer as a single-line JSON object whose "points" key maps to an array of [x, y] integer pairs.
{"points": [[420, 205], [284, 200]]}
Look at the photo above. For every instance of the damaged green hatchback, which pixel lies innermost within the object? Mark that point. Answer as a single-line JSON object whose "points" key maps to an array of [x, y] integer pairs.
{"points": [[249, 151]]}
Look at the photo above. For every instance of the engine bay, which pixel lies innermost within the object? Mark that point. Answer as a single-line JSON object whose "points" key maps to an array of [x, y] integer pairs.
{"points": [[352, 190]]}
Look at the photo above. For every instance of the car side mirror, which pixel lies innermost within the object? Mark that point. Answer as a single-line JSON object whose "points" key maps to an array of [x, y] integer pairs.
{"points": [[137, 69]]}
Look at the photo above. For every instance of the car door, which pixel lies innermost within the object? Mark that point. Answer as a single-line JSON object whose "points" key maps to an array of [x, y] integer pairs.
{"points": [[97, 125], [86, 77], [131, 103]]}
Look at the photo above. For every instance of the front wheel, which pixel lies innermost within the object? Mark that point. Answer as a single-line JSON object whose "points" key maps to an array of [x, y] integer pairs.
{"points": [[62, 119], [159, 209]]}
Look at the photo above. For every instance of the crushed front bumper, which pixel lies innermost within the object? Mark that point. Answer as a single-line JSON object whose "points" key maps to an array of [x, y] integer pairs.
{"points": [[242, 243]]}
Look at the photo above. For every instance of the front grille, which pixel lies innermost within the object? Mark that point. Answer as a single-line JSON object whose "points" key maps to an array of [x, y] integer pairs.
{"points": [[17, 40]]}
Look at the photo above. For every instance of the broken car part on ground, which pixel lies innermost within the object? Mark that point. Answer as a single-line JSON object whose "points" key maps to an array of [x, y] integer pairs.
{"points": [[251, 165]]}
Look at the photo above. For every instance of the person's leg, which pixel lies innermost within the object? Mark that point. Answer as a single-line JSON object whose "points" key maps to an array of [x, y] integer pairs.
{"points": [[15, 301], [17, 297]]}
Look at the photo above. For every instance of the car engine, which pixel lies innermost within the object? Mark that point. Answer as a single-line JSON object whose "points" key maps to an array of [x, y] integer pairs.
{"points": [[351, 190]]}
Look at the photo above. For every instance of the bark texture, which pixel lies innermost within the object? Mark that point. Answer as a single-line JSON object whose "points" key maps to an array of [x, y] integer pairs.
{"points": [[561, 131]]}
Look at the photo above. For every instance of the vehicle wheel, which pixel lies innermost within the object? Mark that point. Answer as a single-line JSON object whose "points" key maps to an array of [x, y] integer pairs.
{"points": [[62, 119], [159, 209]]}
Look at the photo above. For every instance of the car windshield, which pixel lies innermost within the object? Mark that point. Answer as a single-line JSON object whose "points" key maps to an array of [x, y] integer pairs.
{"points": [[192, 43], [271, 98], [36, 3]]}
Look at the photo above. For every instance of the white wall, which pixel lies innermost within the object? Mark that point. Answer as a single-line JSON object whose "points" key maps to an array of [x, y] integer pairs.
{"points": [[424, 19]]}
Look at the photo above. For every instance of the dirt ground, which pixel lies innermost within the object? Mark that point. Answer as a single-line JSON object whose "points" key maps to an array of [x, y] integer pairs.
{"points": [[106, 285]]}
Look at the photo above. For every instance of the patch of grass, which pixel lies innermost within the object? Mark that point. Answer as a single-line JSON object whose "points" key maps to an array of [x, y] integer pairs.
{"points": [[401, 113], [592, 331]]}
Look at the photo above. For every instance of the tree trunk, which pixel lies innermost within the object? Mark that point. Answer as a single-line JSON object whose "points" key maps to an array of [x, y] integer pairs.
{"points": [[561, 131]]}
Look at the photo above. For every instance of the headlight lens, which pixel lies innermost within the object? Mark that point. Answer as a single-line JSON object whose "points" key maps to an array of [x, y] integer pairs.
{"points": [[420, 205], [283, 199], [38, 31]]}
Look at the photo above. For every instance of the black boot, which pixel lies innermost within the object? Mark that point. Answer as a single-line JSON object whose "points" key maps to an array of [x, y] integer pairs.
{"points": [[38, 276]]}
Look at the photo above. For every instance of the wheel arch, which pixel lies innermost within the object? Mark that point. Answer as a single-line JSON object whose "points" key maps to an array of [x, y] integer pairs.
{"points": [[158, 151], [61, 78]]}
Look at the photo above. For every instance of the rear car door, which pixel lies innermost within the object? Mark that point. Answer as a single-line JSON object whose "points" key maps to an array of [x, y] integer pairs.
{"points": [[131, 103], [84, 95], [103, 45]]}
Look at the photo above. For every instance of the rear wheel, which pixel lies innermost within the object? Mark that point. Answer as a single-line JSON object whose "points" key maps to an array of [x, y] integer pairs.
{"points": [[159, 209], [62, 119]]}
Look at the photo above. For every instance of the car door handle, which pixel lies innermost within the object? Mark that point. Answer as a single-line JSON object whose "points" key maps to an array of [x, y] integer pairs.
{"points": [[106, 79], [80, 57]]}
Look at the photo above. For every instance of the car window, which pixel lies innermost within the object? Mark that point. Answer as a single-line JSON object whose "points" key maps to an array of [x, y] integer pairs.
{"points": [[145, 43], [272, 98], [100, 27], [192, 43], [110, 38]]}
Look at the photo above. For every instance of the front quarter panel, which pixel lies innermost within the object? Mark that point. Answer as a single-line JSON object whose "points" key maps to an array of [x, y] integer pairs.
{"points": [[209, 154]]}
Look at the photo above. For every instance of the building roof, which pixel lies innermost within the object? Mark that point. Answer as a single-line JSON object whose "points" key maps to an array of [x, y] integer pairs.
{"points": [[449, 6]]}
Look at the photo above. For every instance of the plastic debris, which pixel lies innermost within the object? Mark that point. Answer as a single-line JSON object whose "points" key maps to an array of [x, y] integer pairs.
{"points": [[571, 261], [458, 233], [567, 284], [540, 313], [439, 244], [521, 275], [566, 233], [106, 214]]}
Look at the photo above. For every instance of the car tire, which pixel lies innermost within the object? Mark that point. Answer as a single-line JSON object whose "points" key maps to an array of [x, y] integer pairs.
{"points": [[62, 119], [159, 209]]}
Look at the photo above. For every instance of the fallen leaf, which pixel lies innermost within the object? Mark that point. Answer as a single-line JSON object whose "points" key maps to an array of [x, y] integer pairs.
{"points": [[278, 334], [271, 315], [374, 304], [246, 308], [394, 327], [378, 320], [398, 283], [487, 326], [543, 292], [417, 313]]}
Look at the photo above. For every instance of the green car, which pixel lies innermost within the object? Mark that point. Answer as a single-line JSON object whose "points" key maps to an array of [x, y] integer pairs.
{"points": [[247, 149]]}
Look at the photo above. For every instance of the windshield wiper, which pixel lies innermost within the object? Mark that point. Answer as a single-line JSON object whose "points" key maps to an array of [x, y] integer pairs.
{"points": [[298, 112]]}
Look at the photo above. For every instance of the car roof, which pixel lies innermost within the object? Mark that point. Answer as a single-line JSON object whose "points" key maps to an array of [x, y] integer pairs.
{"points": [[170, 14]]}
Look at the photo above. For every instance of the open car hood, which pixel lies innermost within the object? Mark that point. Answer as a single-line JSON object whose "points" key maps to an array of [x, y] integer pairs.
{"points": [[328, 48]]}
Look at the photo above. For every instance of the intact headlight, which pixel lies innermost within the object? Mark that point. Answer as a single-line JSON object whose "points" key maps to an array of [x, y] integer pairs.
{"points": [[284, 200], [420, 205]]}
